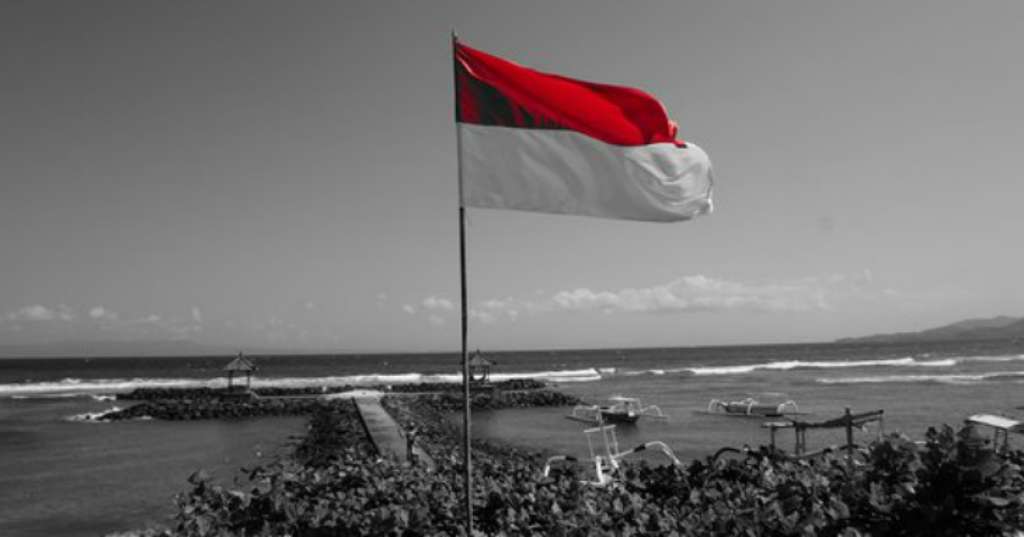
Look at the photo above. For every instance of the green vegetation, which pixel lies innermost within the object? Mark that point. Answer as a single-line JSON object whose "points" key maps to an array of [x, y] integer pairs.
{"points": [[953, 484]]}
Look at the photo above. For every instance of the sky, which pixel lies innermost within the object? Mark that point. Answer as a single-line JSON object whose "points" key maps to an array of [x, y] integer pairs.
{"points": [[282, 175]]}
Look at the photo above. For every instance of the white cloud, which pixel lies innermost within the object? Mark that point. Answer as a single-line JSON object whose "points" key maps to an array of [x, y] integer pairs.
{"points": [[483, 316], [197, 315], [697, 293], [100, 313], [700, 293], [37, 312], [435, 320], [686, 294], [309, 305], [434, 303]]}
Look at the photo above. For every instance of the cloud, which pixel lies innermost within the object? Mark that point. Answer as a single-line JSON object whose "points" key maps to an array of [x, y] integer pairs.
{"points": [[37, 312], [197, 315], [309, 305], [436, 309], [435, 320], [691, 294], [433, 303], [100, 313], [39, 324], [683, 295], [699, 293]]}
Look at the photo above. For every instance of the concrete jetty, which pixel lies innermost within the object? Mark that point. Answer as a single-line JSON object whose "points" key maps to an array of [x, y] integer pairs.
{"points": [[384, 433]]}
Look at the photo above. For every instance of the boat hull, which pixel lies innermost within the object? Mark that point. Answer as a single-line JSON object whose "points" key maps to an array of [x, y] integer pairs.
{"points": [[619, 417]]}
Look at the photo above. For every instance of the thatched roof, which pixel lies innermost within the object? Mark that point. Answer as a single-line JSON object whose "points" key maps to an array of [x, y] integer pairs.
{"points": [[478, 360], [240, 364]]}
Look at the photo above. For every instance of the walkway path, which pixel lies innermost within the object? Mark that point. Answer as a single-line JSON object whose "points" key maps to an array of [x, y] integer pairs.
{"points": [[386, 435]]}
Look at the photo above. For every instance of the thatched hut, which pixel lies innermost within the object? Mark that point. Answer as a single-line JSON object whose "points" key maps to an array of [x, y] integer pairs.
{"points": [[240, 365], [479, 368]]}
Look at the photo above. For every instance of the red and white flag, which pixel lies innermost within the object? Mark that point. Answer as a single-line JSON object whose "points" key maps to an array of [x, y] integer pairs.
{"points": [[536, 141]]}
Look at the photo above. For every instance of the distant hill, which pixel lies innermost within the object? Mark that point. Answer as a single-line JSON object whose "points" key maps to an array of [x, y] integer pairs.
{"points": [[1001, 327]]}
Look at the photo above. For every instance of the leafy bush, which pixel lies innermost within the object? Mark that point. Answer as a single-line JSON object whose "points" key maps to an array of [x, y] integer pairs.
{"points": [[953, 484]]}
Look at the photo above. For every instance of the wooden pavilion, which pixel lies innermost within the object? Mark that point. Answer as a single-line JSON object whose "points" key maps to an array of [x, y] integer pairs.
{"points": [[479, 368], [239, 366]]}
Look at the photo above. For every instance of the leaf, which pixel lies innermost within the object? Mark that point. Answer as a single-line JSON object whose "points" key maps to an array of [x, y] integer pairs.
{"points": [[994, 501]]}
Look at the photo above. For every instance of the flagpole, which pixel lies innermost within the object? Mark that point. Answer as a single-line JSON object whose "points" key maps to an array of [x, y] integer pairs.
{"points": [[468, 477]]}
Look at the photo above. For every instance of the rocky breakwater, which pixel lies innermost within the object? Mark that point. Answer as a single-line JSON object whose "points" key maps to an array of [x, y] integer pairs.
{"points": [[205, 393], [211, 408], [203, 403], [202, 393], [447, 401]]}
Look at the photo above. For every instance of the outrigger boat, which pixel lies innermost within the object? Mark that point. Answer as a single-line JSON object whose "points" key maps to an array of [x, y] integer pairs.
{"points": [[606, 464], [751, 408], [999, 424], [618, 410]]}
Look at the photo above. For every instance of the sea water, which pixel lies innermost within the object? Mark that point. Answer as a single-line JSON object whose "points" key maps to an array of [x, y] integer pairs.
{"points": [[62, 474]]}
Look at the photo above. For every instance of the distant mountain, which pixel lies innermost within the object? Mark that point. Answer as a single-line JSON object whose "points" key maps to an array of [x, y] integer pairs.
{"points": [[1001, 327]]}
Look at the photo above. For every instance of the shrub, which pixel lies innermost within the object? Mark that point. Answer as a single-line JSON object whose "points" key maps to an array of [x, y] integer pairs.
{"points": [[955, 484]]}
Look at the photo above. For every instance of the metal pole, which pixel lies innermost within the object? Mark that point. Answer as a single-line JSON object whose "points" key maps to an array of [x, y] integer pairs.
{"points": [[468, 478], [849, 442]]}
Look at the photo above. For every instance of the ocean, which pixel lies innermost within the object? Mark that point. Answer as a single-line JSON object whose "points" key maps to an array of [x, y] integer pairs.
{"points": [[63, 475]]}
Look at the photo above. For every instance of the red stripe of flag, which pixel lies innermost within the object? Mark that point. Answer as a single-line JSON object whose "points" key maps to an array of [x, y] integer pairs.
{"points": [[496, 92]]}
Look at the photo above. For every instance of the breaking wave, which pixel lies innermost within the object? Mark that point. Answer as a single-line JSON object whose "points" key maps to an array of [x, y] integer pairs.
{"points": [[102, 389], [99, 389], [93, 416], [1009, 358], [952, 378], [802, 364]]}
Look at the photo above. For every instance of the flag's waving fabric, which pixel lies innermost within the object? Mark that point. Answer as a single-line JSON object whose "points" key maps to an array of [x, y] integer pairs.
{"points": [[535, 141]]}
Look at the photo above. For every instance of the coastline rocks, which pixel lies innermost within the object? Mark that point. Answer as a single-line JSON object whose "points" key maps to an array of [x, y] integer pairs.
{"points": [[204, 409], [180, 404], [500, 400], [207, 393], [331, 430]]}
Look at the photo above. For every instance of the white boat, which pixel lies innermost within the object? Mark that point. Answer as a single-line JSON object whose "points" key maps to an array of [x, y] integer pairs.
{"points": [[751, 407], [619, 409], [999, 424]]}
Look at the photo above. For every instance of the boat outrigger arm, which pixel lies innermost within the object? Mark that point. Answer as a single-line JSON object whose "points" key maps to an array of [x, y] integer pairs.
{"points": [[606, 464]]}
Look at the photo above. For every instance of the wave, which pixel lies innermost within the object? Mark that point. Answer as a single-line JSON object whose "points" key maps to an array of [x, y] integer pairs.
{"points": [[1007, 358], [952, 378], [93, 417], [100, 389], [638, 372], [802, 364]]}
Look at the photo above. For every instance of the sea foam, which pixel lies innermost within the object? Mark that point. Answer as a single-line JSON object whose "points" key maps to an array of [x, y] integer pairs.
{"points": [[951, 378], [99, 388], [93, 417], [803, 364]]}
